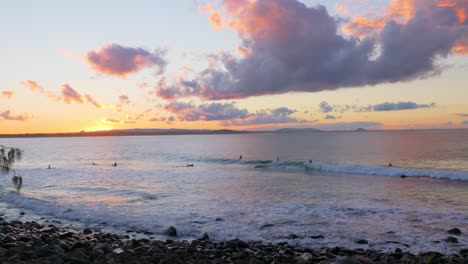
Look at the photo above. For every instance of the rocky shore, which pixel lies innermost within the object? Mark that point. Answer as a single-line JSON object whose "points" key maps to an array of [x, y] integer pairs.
{"points": [[31, 242]]}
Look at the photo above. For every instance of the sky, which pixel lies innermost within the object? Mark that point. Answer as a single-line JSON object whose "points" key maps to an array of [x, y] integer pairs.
{"points": [[233, 64]]}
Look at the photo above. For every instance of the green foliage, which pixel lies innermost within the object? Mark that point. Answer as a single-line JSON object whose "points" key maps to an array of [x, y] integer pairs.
{"points": [[8, 157]]}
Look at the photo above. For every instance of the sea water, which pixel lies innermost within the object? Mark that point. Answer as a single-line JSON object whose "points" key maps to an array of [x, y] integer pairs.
{"points": [[288, 187]]}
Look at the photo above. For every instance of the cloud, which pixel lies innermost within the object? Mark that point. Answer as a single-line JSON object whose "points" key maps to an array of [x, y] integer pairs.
{"points": [[112, 121], [32, 85], [7, 115], [400, 106], [294, 48], [69, 95], [332, 117], [280, 115], [325, 107], [91, 100], [386, 106], [7, 94], [158, 119], [205, 112], [349, 125], [114, 59], [123, 99], [465, 122], [462, 114]]}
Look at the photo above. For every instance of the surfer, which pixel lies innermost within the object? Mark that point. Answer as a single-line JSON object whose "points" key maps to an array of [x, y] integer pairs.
{"points": [[277, 159], [390, 165], [310, 161], [49, 167], [189, 165], [240, 157], [115, 164]]}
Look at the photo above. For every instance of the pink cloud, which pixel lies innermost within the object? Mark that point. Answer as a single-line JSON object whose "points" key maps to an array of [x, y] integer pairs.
{"points": [[114, 59], [8, 94], [32, 85], [8, 116], [70, 95], [91, 100]]}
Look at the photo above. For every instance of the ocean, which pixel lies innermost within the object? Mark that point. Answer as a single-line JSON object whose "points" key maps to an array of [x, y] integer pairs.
{"points": [[311, 189]]}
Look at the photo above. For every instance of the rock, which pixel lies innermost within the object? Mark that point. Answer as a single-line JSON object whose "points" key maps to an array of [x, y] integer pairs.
{"points": [[463, 251], [22, 213], [171, 231], [306, 256], [454, 231], [118, 251], [87, 231], [219, 219], [204, 237], [266, 225], [362, 241], [3, 251], [403, 176], [317, 237], [293, 236], [451, 239]]}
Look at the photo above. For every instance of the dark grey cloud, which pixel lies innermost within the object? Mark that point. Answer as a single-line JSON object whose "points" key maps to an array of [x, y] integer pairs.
{"points": [[294, 48], [115, 59], [387, 106], [280, 115], [325, 107], [205, 112]]}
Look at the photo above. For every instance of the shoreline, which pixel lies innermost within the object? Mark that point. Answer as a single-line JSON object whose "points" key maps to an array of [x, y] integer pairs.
{"points": [[31, 242]]}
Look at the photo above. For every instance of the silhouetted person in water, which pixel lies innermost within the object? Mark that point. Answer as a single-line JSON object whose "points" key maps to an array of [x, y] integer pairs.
{"points": [[390, 165], [49, 167], [310, 161], [94, 163], [189, 165], [18, 182], [277, 159], [240, 157], [115, 164]]}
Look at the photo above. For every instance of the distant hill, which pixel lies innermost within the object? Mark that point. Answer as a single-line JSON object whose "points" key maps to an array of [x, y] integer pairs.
{"points": [[297, 130]]}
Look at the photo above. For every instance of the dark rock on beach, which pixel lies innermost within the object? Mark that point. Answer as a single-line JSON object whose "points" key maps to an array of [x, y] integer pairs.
{"points": [[171, 231], [454, 231], [30, 242], [451, 239]]}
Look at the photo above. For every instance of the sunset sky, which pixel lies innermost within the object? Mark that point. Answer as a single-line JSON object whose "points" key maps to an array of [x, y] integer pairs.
{"points": [[68, 66]]}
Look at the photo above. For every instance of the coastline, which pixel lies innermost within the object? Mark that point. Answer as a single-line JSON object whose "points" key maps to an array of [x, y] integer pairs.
{"points": [[31, 242]]}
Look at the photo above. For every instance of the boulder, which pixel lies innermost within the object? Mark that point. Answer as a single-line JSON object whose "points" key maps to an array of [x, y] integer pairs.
{"points": [[171, 231]]}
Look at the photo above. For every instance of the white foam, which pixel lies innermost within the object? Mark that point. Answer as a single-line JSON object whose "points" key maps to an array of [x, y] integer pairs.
{"points": [[386, 171]]}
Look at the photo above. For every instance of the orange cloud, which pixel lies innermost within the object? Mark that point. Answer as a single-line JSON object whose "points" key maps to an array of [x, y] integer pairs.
{"points": [[6, 115], [341, 9], [8, 94]]}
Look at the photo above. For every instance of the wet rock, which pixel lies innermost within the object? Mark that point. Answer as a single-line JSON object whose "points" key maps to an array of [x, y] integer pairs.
{"points": [[403, 176], [454, 231], [204, 237], [316, 237], [22, 213], [171, 231], [362, 241], [266, 226], [463, 251], [293, 236], [451, 239], [219, 219], [87, 231]]}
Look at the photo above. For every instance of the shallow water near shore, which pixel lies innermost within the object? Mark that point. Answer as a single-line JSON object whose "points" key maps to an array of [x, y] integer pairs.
{"points": [[345, 194]]}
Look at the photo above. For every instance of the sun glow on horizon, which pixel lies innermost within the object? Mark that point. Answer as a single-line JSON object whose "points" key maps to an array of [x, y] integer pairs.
{"points": [[99, 128]]}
